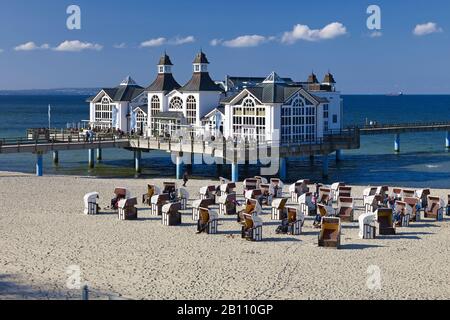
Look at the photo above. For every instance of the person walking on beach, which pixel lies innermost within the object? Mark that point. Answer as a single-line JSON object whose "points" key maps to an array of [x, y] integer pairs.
{"points": [[185, 179]]}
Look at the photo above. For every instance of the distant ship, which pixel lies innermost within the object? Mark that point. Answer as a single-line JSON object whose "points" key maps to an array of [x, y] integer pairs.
{"points": [[395, 94]]}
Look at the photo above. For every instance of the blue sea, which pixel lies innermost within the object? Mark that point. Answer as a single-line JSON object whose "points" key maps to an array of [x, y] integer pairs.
{"points": [[423, 161]]}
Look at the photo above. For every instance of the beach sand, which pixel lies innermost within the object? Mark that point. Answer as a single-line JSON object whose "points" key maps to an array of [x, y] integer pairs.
{"points": [[43, 231]]}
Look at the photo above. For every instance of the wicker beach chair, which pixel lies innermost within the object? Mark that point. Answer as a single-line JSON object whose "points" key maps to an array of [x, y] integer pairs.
{"points": [[208, 192], [448, 206], [127, 209], [227, 204], [344, 192], [266, 194], [170, 188], [385, 221], [183, 198], [412, 203], [294, 221], [324, 196], [405, 211], [253, 194], [171, 215], [367, 225], [157, 202], [279, 211], [151, 191], [197, 204], [423, 194], [227, 188], [330, 233], [307, 207], [408, 193], [277, 187], [397, 193], [435, 208], [372, 203], [346, 209], [207, 221], [260, 181], [334, 190], [250, 184], [250, 207], [91, 206], [120, 193], [252, 227]]}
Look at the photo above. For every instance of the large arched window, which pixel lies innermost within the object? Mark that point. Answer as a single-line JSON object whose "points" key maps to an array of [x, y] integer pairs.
{"points": [[191, 113], [249, 120], [297, 122], [155, 105], [176, 103], [103, 113]]}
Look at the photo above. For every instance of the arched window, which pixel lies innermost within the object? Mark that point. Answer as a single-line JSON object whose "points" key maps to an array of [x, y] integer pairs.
{"points": [[191, 106], [298, 103], [103, 112], [155, 105], [248, 103], [176, 103]]}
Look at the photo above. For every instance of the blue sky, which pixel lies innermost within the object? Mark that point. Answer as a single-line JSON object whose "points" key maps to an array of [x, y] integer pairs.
{"points": [[396, 60]]}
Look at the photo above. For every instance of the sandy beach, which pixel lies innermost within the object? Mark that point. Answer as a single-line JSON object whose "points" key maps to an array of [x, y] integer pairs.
{"points": [[43, 231]]}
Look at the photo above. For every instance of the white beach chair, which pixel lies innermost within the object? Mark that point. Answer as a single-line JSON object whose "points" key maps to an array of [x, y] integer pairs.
{"points": [[157, 202], [307, 207], [127, 209], [252, 228], [183, 197], [171, 215], [279, 209], [277, 185], [90, 203], [197, 204], [367, 225], [334, 190], [207, 221], [227, 204]]}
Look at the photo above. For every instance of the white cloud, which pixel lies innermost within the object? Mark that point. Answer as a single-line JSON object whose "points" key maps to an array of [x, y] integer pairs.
{"points": [[179, 41], [215, 42], [77, 46], [426, 29], [1, 50], [245, 41], [303, 32], [157, 42], [120, 46], [30, 46]]}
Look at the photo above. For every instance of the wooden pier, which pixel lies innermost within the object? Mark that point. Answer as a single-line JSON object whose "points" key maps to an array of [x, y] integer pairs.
{"points": [[42, 141]]}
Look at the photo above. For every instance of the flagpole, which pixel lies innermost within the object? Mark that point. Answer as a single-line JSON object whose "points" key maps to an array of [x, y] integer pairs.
{"points": [[49, 116]]}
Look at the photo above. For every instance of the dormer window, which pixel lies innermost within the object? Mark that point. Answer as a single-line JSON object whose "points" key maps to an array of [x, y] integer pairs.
{"points": [[197, 68], [161, 69], [204, 68]]}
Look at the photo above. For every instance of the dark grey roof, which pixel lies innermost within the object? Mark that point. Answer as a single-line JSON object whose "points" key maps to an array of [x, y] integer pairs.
{"points": [[143, 108], [277, 93], [121, 93], [165, 61], [164, 82], [201, 81], [201, 58], [221, 109], [169, 115]]}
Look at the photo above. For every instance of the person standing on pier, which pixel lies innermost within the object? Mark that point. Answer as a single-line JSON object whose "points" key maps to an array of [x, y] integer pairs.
{"points": [[185, 179]]}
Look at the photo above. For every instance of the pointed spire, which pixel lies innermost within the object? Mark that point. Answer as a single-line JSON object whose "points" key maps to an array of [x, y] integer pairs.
{"points": [[165, 60], [313, 78], [273, 78], [128, 81], [201, 58], [329, 78]]}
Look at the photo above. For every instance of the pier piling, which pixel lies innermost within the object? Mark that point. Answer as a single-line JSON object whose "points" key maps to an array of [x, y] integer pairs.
{"points": [[91, 158], [137, 161], [325, 163], [397, 143], [283, 168], [179, 165], [55, 157], [39, 165], [234, 172], [99, 155], [447, 140], [339, 155]]}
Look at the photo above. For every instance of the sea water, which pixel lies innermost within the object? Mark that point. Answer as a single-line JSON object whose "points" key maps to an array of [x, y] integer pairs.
{"points": [[423, 160]]}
